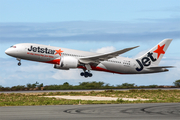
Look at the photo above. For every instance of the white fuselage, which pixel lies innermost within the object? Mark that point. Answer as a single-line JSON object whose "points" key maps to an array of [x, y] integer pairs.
{"points": [[54, 55]]}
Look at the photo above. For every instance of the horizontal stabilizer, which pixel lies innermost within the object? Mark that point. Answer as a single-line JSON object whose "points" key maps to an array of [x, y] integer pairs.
{"points": [[160, 67]]}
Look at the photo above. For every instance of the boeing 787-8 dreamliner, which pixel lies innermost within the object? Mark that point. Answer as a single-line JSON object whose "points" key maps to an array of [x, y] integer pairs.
{"points": [[65, 59]]}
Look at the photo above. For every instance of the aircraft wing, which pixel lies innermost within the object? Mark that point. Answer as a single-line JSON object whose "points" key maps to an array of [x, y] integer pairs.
{"points": [[102, 57]]}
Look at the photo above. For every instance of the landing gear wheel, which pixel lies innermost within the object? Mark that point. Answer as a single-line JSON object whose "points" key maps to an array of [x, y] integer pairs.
{"points": [[86, 74], [19, 64], [90, 75], [82, 74]]}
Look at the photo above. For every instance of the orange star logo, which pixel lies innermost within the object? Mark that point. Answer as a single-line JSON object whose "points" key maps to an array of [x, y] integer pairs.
{"points": [[160, 50], [58, 52]]}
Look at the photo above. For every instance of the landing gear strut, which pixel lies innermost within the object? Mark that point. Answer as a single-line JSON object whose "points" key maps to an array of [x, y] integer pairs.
{"points": [[86, 74], [19, 63]]}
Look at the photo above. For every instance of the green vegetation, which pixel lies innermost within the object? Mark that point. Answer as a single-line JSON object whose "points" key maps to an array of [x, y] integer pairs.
{"points": [[155, 96], [177, 83], [83, 85], [29, 86]]}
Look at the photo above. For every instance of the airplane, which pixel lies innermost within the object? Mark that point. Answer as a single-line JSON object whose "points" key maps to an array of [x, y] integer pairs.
{"points": [[65, 59]]}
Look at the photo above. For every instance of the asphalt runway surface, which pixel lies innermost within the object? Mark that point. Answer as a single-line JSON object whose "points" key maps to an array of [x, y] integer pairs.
{"points": [[155, 111]]}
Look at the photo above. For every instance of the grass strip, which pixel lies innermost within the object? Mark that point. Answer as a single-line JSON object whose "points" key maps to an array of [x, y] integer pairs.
{"points": [[29, 99]]}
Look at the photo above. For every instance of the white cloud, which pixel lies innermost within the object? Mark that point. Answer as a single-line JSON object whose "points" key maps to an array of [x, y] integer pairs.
{"points": [[72, 74], [140, 54], [174, 72], [105, 49], [35, 67], [2, 81], [89, 31]]}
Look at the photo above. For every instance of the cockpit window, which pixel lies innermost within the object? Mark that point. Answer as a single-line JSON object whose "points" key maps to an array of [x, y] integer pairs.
{"points": [[13, 46]]}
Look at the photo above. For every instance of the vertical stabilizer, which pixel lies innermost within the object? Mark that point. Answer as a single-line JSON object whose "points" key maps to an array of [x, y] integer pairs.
{"points": [[154, 55]]}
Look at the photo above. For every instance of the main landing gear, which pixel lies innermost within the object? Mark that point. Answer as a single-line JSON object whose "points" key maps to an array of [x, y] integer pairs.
{"points": [[86, 74], [19, 63]]}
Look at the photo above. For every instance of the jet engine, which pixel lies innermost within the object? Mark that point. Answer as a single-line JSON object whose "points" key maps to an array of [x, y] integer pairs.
{"points": [[67, 62]]}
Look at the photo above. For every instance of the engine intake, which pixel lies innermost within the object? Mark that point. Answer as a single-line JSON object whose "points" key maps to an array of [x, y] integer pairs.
{"points": [[67, 62]]}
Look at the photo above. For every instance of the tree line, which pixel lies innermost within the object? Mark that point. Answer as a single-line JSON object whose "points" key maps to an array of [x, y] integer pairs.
{"points": [[82, 85]]}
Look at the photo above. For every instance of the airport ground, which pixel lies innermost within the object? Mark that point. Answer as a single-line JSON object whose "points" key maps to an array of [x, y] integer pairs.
{"points": [[167, 106], [90, 97], [153, 111]]}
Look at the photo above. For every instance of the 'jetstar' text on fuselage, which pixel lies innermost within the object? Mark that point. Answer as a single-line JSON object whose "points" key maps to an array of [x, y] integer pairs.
{"points": [[41, 50]]}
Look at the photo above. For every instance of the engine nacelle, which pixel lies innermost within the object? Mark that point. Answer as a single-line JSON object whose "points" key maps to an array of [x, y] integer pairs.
{"points": [[67, 62]]}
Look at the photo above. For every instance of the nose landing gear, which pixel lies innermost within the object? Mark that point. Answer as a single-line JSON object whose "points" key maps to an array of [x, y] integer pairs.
{"points": [[19, 63]]}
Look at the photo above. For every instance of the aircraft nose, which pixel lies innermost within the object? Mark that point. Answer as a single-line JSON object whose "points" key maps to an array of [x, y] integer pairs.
{"points": [[10, 52], [7, 51]]}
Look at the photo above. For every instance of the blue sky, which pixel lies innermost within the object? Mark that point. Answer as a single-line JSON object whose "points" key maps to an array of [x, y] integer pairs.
{"points": [[86, 10], [90, 25]]}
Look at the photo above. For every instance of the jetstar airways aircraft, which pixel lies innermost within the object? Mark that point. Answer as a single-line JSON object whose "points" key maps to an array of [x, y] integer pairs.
{"points": [[66, 59]]}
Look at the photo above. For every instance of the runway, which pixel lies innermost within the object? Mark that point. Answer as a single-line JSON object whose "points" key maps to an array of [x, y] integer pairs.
{"points": [[155, 111]]}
